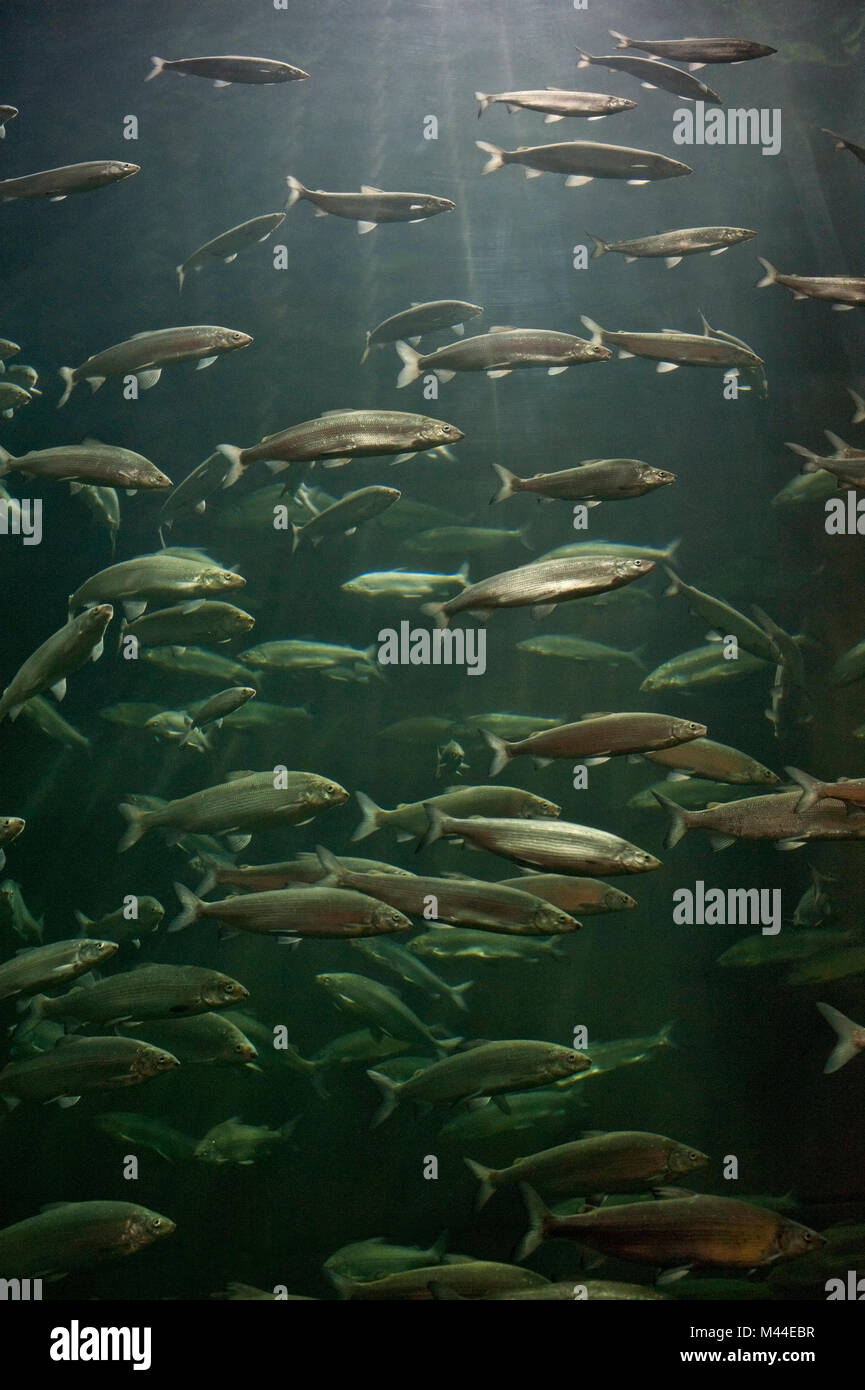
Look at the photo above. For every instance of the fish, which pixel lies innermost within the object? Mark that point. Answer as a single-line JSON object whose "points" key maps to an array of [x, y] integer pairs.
{"points": [[145, 1132], [842, 291], [418, 320], [544, 1110], [542, 584], [375, 1258], [594, 480], [593, 1290], [556, 845], [703, 757], [381, 1010], [289, 915], [234, 1142], [473, 1279], [192, 495], [691, 791], [48, 967], [45, 715], [144, 355], [201, 1039], [200, 620], [584, 160], [15, 914], [674, 245], [462, 540], [10, 828], [489, 1069], [134, 920], [226, 246], [198, 662], [175, 726], [671, 349], [677, 1232], [620, 1161], [60, 656], [697, 52], [596, 739], [389, 584], [337, 661], [846, 464], [104, 506], [68, 1236], [623, 1052], [339, 436], [498, 352], [772, 816], [557, 103], [344, 516], [136, 582], [566, 647], [268, 717], [851, 1038], [842, 143], [12, 398], [651, 74], [836, 964], [22, 375], [409, 819], [722, 617], [306, 868], [849, 668], [362, 1045], [578, 895], [701, 666], [423, 728], [775, 950], [370, 206], [508, 725], [409, 516], [77, 1066], [7, 113], [151, 991], [461, 901], [806, 487], [245, 802], [620, 549], [228, 68], [104, 464], [57, 184], [464, 943], [221, 706], [850, 790], [394, 958], [815, 905]]}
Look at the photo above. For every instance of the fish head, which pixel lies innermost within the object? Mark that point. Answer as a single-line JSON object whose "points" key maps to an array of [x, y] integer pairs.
{"points": [[763, 776], [10, 828], [429, 204], [229, 339], [538, 806], [153, 1061], [658, 477], [620, 104], [632, 569], [208, 1151], [636, 861], [220, 991], [568, 1062], [147, 1226], [795, 1239], [436, 432], [593, 352], [731, 236], [552, 920], [686, 729], [95, 951], [682, 1160], [94, 621], [242, 1052], [242, 622], [120, 169], [388, 919], [614, 898], [216, 580]]}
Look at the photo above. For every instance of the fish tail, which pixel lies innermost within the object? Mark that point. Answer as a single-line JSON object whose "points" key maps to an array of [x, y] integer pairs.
{"points": [[366, 350], [585, 58], [457, 993], [296, 191], [675, 583], [296, 533], [507, 480], [595, 329], [333, 872], [158, 67], [621, 40], [67, 375], [232, 453], [485, 1177], [390, 1097], [445, 1045], [496, 154], [538, 1215], [372, 817], [812, 462], [191, 908], [678, 823], [7, 461], [410, 358], [435, 827], [771, 274], [137, 825], [208, 883], [33, 1012], [859, 414], [181, 276], [84, 922], [845, 1028], [811, 788], [500, 749], [665, 1036], [437, 611], [672, 550], [485, 100], [601, 247]]}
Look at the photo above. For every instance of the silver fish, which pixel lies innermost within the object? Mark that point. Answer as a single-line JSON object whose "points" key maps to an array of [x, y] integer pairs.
{"points": [[60, 656], [226, 246], [146, 354], [370, 206], [57, 184]]}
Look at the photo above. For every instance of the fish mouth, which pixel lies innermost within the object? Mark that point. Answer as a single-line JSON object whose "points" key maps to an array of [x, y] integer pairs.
{"points": [[127, 169]]}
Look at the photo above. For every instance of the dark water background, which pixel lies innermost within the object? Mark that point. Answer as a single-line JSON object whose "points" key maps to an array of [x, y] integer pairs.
{"points": [[746, 1076]]}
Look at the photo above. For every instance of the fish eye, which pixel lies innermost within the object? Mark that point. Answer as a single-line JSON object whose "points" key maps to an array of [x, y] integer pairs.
{"points": [[694, 1157], [237, 337], [156, 1224], [808, 1237], [446, 429], [395, 919], [562, 920], [228, 989]]}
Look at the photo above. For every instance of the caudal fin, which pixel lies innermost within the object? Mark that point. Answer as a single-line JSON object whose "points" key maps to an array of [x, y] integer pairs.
{"points": [[859, 414], [500, 750], [771, 275], [232, 453], [813, 463], [296, 191], [7, 462], [586, 59], [67, 376], [538, 1215], [191, 908], [484, 99], [333, 870], [621, 40], [811, 788], [390, 1097], [34, 1012], [456, 994], [410, 358], [372, 817], [158, 67], [135, 829], [181, 276], [436, 611], [507, 480], [496, 154], [485, 1177], [678, 824], [675, 583], [435, 829], [601, 247], [846, 1030], [595, 329]]}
